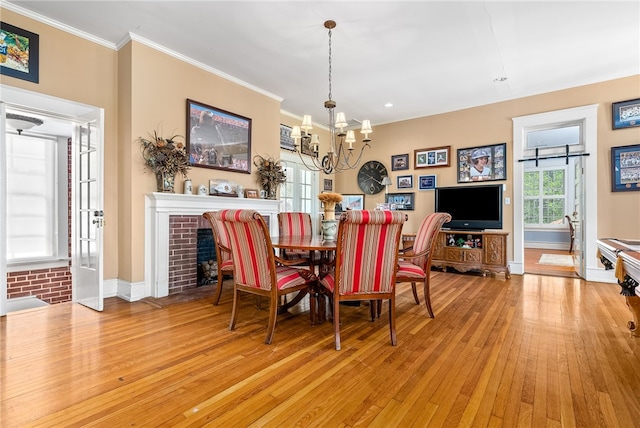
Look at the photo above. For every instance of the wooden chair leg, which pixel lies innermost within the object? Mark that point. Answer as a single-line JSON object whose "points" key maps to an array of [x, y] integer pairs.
{"points": [[427, 296], [415, 293], [273, 313], [392, 320], [218, 293], [234, 311]]}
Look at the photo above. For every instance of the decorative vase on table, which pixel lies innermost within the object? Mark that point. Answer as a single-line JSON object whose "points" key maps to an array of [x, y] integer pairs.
{"points": [[329, 224], [165, 182]]}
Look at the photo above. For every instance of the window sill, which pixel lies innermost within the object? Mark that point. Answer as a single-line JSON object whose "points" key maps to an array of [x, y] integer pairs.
{"points": [[36, 265]]}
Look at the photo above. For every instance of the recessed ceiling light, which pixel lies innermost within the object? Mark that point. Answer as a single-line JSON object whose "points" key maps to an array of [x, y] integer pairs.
{"points": [[388, 105], [499, 79]]}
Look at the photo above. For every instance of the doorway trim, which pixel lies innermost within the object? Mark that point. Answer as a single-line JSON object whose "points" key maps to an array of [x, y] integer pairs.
{"points": [[23, 98], [589, 116]]}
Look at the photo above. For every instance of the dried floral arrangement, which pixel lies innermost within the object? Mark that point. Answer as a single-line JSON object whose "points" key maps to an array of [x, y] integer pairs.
{"points": [[271, 174], [164, 155], [330, 199]]}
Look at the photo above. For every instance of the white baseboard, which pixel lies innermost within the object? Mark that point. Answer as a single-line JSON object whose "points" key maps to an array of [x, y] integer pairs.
{"points": [[547, 245], [131, 292]]}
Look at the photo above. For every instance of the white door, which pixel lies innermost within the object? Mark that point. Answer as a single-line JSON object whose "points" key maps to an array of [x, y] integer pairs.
{"points": [[578, 216], [87, 214], [3, 211]]}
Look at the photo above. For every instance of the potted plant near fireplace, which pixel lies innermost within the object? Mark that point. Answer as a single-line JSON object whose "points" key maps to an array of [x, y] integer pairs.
{"points": [[165, 157]]}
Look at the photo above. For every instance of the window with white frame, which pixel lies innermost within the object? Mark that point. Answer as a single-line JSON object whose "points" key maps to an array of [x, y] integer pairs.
{"points": [[545, 199], [37, 200], [299, 193]]}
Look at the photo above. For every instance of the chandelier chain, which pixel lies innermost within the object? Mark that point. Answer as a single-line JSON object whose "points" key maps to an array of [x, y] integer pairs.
{"points": [[330, 89]]}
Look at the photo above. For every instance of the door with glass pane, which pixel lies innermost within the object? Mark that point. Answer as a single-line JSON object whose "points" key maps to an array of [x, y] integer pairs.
{"points": [[577, 215], [299, 193], [88, 220]]}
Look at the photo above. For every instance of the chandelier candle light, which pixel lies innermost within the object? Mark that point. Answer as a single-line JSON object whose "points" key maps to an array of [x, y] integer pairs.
{"points": [[338, 158]]}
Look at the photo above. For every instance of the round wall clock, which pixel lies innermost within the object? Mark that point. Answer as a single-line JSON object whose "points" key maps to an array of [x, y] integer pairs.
{"points": [[370, 177]]}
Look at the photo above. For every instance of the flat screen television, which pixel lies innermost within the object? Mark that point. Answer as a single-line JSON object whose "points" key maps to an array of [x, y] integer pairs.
{"points": [[471, 207]]}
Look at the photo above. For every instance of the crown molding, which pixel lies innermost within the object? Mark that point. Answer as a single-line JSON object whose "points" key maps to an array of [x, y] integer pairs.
{"points": [[116, 47]]}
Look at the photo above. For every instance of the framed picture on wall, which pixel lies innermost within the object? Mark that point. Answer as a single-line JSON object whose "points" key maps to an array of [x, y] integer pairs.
{"points": [[400, 201], [405, 181], [427, 182], [626, 114], [218, 139], [483, 163], [286, 140], [399, 162], [434, 157], [353, 202], [625, 168], [22, 55]]}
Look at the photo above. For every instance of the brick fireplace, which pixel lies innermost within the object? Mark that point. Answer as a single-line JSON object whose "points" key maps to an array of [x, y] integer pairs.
{"points": [[171, 229]]}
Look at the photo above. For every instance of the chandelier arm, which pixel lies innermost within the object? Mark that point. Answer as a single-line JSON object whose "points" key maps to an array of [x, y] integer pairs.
{"points": [[337, 158]]}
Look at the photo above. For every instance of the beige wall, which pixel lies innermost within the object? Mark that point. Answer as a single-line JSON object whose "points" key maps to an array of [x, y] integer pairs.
{"points": [[78, 70], [617, 212], [142, 90]]}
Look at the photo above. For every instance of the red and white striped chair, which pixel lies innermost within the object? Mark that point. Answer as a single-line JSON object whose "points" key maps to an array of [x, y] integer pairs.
{"points": [[296, 224], [415, 262], [366, 262], [254, 264], [223, 253]]}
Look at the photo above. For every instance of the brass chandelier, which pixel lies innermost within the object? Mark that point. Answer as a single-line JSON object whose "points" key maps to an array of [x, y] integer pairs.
{"points": [[340, 156]]}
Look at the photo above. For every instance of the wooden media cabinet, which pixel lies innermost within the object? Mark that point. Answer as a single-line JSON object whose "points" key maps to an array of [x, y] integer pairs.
{"points": [[472, 251]]}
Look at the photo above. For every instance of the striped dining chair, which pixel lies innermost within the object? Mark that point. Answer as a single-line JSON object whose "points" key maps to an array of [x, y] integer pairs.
{"points": [[415, 262], [223, 253], [254, 264], [295, 224], [366, 262]]}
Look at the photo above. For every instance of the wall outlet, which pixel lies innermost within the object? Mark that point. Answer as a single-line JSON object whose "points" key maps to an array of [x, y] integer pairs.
{"points": [[507, 201]]}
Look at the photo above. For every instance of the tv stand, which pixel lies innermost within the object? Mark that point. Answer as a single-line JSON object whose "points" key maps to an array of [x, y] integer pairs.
{"points": [[472, 250]]}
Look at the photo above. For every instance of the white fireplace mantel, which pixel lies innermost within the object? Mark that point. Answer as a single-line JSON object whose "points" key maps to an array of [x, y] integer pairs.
{"points": [[158, 208]]}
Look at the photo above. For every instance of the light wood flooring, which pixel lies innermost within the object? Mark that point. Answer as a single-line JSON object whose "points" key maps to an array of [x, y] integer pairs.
{"points": [[531, 265], [532, 351]]}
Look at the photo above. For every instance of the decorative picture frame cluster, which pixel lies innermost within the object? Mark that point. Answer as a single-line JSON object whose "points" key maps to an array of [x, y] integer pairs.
{"points": [[286, 140], [625, 168], [217, 138], [625, 114], [482, 163]]}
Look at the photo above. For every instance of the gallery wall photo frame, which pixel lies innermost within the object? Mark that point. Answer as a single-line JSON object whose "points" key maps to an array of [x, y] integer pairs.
{"points": [[482, 163], [22, 55], [328, 184], [625, 114], [405, 182], [353, 202], [400, 162], [286, 140], [625, 168], [427, 182], [218, 139], [400, 201], [432, 157]]}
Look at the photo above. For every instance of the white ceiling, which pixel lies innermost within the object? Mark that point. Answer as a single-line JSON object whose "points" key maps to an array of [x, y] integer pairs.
{"points": [[425, 57]]}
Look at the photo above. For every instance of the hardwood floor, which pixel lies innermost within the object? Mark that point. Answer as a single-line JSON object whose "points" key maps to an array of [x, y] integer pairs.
{"points": [[535, 351], [531, 265]]}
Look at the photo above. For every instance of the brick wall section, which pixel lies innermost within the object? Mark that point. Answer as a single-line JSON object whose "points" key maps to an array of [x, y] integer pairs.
{"points": [[50, 285], [183, 256]]}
